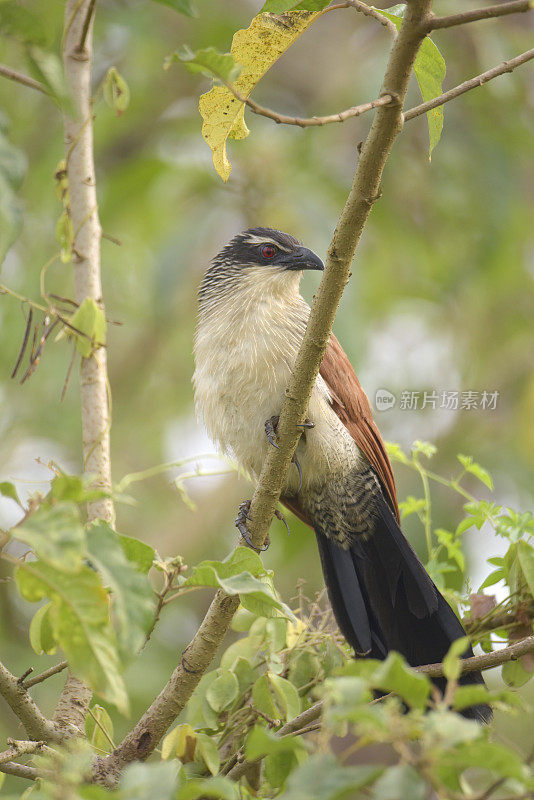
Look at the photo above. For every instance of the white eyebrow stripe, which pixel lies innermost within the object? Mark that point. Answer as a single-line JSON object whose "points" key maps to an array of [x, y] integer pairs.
{"points": [[265, 240]]}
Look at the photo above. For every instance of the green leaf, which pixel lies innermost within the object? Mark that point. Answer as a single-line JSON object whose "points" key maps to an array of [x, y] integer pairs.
{"points": [[8, 490], [452, 545], [286, 696], [154, 781], [514, 674], [444, 729], [139, 553], [264, 742], [412, 505], [393, 675], [89, 319], [281, 753], [262, 697], [47, 68], [41, 634], [133, 602], [245, 673], [208, 62], [396, 453], [493, 578], [199, 713], [451, 662], [278, 767], [256, 595], [419, 447], [429, 70], [303, 668], [182, 6], [56, 536], [475, 469], [219, 786], [80, 622], [525, 554], [208, 752], [74, 488], [116, 91], [99, 729], [399, 783], [482, 754], [321, 777], [223, 691]]}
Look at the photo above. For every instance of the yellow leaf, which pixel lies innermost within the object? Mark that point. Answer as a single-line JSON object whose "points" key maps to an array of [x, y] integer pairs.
{"points": [[256, 48], [180, 743]]}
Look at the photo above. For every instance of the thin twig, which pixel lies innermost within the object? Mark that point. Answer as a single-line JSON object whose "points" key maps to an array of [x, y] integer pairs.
{"points": [[46, 674], [19, 77], [86, 23], [472, 83], [24, 342], [307, 122], [341, 116], [490, 12]]}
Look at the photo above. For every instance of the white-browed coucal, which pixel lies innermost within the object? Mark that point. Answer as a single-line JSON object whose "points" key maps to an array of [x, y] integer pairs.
{"points": [[251, 324]]}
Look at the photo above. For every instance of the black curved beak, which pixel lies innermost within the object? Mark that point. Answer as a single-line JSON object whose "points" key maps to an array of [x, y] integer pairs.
{"points": [[303, 258]]}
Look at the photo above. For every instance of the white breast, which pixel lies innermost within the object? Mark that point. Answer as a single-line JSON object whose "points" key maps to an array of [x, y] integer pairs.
{"points": [[245, 351]]}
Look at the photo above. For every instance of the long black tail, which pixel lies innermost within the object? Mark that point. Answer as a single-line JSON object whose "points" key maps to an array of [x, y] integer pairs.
{"points": [[383, 599]]}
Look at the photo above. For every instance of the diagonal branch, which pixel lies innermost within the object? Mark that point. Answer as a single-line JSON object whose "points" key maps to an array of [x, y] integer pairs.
{"points": [[19, 77], [472, 83], [490, 12]]}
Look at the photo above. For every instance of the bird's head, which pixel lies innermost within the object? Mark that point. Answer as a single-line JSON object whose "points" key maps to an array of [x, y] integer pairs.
{"points": [[260, 260]]}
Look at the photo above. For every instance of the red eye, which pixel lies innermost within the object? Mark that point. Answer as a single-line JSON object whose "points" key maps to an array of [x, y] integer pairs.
{"points": [[268, 251]]}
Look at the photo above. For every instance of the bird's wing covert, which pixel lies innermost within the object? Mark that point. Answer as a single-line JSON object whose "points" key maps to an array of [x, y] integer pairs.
{"points": [[350, 403]]}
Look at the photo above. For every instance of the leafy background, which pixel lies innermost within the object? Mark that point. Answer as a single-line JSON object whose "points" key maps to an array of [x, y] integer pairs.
{"points": [[440, 298]]}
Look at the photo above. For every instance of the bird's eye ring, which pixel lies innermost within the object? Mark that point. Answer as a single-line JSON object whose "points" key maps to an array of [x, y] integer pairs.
{"points": [[268, 251]]}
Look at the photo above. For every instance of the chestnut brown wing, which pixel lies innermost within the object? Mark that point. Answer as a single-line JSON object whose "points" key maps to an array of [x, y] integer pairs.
{"points": [[350, 403]]}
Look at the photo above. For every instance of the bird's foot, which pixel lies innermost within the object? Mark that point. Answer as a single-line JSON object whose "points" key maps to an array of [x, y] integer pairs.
{"points": [[270, 430], [278, 514], [271, 426], [241, 525]]}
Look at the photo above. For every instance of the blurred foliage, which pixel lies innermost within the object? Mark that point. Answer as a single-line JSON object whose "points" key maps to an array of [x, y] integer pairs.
{"points": [[440, 298]]}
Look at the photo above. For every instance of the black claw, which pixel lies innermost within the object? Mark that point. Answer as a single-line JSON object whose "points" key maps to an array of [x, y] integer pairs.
{"points": [[306, 424], [244, 508], [241, 525], [270, 431], [278, 514], [296, 463]]}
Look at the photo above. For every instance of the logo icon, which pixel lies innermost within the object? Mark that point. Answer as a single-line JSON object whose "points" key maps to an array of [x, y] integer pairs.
{"points": [[384, 400]]}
